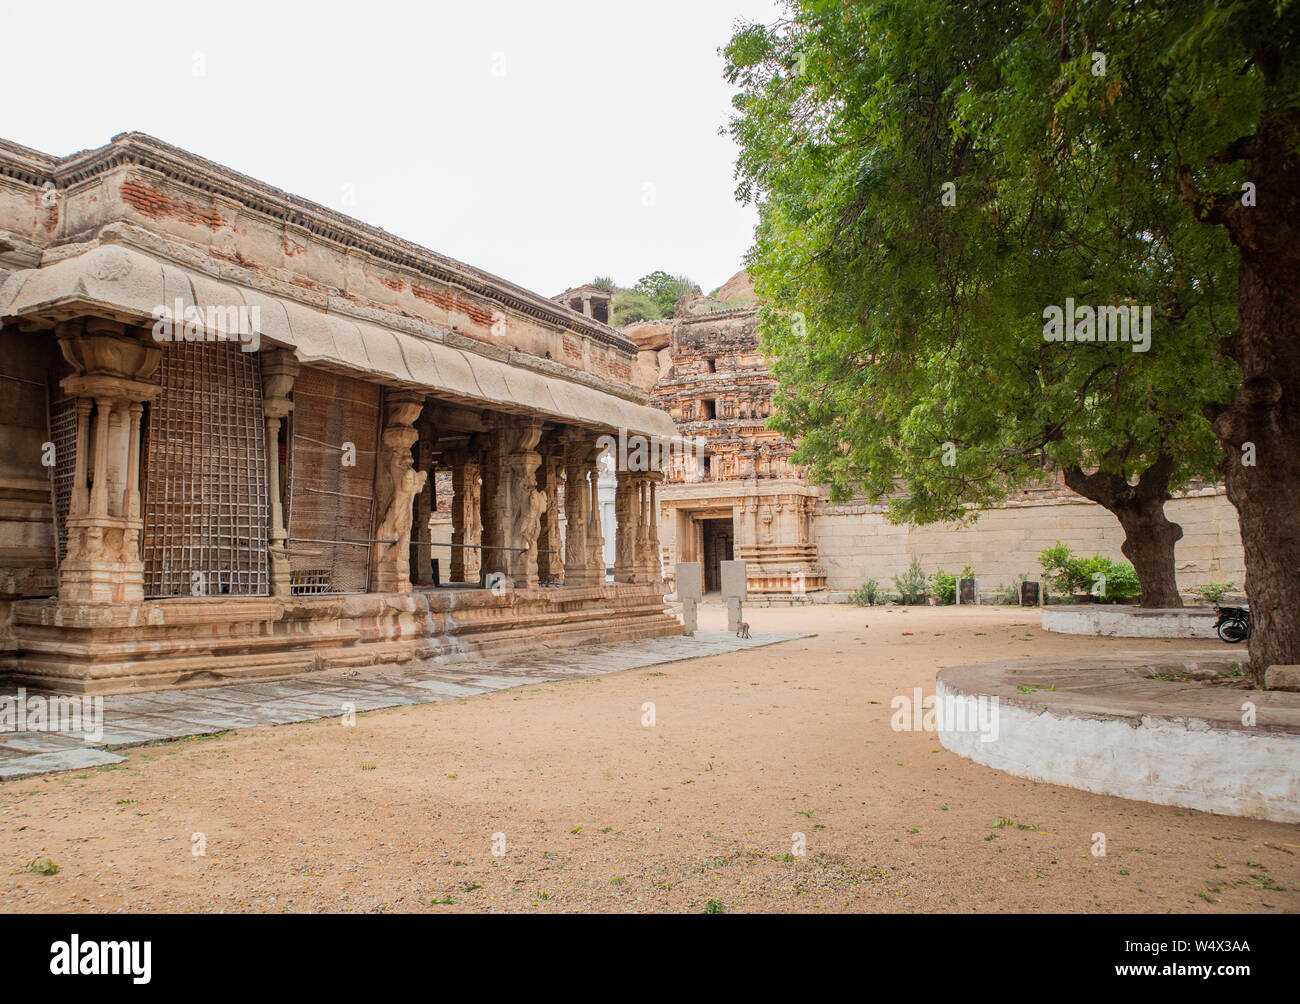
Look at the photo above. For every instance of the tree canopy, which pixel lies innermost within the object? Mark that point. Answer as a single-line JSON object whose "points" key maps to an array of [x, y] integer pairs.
{"points": [[934, 179]]}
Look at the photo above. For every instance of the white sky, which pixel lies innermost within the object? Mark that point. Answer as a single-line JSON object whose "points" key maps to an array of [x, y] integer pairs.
{"points": [[592, 148]]}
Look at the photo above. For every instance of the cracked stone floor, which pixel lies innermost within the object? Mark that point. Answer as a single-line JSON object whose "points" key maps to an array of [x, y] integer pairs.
{"points": [[137, 719]]}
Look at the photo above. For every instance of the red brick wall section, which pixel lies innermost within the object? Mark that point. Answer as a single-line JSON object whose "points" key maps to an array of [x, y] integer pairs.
{"points": [[159, 205]]}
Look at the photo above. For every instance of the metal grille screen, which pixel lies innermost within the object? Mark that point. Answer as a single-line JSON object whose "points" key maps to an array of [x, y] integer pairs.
{"points": [[205, 492], [331, 499], [63, 434]]}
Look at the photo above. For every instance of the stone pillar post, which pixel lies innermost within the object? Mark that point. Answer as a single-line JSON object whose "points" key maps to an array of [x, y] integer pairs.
{"points": [[79, 504], [131, 493], [279, 370], [652, 532], [397, 484], [525, 504], [595, 533], [99, 485], [494, 533], [550, 567], [425, 504], [626, 516], [112, 370], [577, 498], [466, 519]]}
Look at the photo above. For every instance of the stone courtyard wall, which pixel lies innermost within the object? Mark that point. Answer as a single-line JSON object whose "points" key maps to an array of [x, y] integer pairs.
{"points": [[857, 543]]}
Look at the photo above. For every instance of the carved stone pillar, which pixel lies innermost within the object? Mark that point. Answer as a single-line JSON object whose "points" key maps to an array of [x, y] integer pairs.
{"points": [[397, 484], [426, 503], [595, 534], [495, 527], [466, 519], [654, 566], [279, 370], [111, 380], [577, 499], [626, 515], [550, 566], [525, 503]]}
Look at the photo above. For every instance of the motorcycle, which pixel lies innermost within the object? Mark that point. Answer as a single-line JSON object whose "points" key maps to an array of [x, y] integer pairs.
{"points": [[1233, 624]]}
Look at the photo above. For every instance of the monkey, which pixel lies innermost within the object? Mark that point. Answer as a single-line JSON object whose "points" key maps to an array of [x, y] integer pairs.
{"points": [[743, 630]]}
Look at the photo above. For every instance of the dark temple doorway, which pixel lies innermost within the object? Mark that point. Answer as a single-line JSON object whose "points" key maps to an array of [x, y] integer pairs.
{"points": [[719, 536]]}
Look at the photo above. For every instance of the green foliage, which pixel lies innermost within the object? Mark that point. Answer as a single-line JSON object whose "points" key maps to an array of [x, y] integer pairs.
{"points": [[1057, 562], [38, 867], [665, 290], [1098, 576], [605, 282], [911, 584], [630, 306], [1212, 592], [944, 586], [866, 594], [907, 334], [1107, 580]]}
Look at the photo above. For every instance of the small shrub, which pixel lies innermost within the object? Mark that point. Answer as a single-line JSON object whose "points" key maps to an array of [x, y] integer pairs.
{"points": [[943, 586], [1106, 580], [1070, 574], [39, 867], [911, 585], [1059, 565], [1212, 592], [866, 594], [715, 906]]}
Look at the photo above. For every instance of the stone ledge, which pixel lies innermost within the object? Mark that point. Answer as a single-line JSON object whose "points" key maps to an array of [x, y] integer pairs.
{"points": [[1113, 726], [1116, 621]]}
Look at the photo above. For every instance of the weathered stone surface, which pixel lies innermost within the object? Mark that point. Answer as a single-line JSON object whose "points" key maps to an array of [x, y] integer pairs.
{"points": [[1282, 678]]}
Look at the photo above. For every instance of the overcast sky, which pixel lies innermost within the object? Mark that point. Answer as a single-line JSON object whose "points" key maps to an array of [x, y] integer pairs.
{"points": [[547, 141]]}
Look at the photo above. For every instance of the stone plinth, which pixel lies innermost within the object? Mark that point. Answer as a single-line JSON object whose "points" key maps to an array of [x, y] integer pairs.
{"points": [[1136, 725]]}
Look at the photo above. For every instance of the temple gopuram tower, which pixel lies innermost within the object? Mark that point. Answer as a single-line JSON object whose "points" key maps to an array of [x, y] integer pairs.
{"points": [[743, 498]]}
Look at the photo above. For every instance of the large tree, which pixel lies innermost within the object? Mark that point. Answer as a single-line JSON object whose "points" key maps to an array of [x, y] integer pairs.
{"points": [[934, 177]]}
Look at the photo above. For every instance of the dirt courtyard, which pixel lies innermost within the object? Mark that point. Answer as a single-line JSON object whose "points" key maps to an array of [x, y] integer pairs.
{"points": [[593, 810]]}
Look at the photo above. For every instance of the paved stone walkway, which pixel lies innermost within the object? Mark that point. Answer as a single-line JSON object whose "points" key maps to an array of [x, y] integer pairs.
{"points": [[137, 719]]}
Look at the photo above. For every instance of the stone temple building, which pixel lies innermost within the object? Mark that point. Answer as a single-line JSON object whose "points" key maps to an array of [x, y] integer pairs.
{"points": [[743, 499], [229, 415], [748, 500]]}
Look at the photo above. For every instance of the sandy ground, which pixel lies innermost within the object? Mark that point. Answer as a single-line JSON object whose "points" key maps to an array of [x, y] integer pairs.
{"points": [[602, 813]]}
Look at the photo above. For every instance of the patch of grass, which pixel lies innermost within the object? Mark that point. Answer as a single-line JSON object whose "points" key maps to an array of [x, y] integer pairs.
{"points": [[543, 895], [806, 812], [617, 880], [448, 901], [38, 867], [368, 766], [471, 886], [1000, 822], [786, 858], [715, 906]]}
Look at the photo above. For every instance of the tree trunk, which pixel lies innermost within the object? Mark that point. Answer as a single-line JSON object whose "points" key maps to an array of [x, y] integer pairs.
{"points": [[1260, 428], [1149, 536]]}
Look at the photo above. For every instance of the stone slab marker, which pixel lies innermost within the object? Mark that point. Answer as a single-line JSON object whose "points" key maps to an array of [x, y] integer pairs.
{"points": [[690, 590], [733, 591]]}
